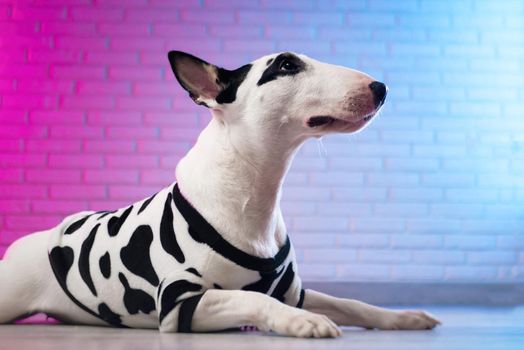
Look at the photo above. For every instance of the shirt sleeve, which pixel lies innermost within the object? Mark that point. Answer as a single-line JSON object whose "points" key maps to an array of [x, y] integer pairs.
{"points": [[177, 301], [289, 287]]}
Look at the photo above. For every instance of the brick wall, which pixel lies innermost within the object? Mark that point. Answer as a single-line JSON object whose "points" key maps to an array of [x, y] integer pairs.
{"points": [[91, 118]]}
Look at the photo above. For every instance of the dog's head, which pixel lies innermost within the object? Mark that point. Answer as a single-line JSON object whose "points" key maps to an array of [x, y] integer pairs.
{"points": [[283, 92]]}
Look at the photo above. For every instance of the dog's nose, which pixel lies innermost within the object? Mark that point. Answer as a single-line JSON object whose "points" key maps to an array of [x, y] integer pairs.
{"points": [[379, 92]]}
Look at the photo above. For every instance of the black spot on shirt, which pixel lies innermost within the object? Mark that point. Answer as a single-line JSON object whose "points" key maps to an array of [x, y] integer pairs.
{"points": [[172, 293], [115, 223], [105, 265], [136, 300], [61, 259], [167, 233], [83, 260], [146, 203], [185, 315], [264, 283], [193, 271], [106, 213], [108, 315], [136, 255], [76, 225], [284, 283], [159, 288], [301, 298]]}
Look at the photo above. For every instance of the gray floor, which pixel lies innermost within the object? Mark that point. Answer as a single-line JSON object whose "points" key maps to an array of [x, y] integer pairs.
{"points": [[463, 328]]}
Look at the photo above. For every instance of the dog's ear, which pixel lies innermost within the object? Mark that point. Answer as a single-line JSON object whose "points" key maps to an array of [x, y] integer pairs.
{"points": [[198, 77], [207, 84]]}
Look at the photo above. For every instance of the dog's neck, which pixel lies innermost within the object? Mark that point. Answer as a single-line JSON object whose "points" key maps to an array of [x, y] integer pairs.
{"points": [[235, 183]]}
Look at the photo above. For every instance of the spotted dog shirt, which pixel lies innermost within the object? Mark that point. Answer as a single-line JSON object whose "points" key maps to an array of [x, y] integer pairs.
{"points": [[148, 265]]}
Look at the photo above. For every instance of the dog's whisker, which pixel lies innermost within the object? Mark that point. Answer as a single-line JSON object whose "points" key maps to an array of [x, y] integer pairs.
{"points": [[322, 151]]}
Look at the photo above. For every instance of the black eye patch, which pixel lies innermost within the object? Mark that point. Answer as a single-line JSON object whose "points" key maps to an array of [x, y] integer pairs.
{"points": [[284, 64]]}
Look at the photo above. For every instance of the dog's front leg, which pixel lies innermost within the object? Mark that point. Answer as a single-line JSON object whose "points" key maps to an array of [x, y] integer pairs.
{"points": [[223, 309], [347, 312]]}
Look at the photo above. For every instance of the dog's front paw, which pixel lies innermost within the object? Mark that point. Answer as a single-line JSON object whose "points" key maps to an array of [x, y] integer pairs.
{"points": [[408, 320], [303, 324]]}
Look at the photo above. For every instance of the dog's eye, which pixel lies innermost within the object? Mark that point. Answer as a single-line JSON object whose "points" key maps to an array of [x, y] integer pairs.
{"points": [[287, 66]]}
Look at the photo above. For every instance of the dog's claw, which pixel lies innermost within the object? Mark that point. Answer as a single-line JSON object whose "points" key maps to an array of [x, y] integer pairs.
{"points": [[409, 320]]}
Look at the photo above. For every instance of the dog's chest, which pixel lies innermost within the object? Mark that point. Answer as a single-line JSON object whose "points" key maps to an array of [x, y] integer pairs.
{"points": [[114, 265]]}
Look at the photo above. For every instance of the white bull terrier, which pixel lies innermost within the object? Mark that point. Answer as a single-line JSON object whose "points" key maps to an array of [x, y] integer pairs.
{"points": [[210, 251]]}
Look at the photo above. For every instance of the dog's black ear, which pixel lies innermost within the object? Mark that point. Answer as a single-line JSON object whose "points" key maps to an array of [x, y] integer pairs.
{"points": [[207, 84], [196, 76]]}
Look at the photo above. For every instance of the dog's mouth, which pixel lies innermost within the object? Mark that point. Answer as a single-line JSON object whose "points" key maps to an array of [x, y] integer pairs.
{"points": [[313, 122], [326, 120]]}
